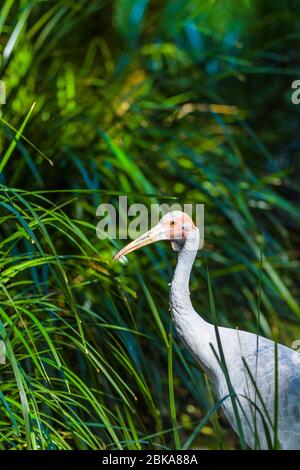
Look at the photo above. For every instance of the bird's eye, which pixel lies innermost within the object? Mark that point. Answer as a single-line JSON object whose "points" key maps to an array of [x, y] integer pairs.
{"points": [[172, 223]]}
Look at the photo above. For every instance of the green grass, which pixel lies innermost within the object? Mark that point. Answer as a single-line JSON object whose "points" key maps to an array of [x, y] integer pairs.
{"points": [[164, 102]]}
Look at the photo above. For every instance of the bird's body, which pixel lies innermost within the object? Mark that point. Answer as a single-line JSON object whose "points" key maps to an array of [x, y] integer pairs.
{"points": [[250, 359], [250, 362]]}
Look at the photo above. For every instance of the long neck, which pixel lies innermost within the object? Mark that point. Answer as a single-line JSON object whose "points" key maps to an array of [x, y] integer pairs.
{"points": [[195, 332], [180, 294]]}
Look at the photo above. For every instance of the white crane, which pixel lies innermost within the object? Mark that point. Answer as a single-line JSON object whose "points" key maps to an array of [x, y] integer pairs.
{"points": [[242, 365]]}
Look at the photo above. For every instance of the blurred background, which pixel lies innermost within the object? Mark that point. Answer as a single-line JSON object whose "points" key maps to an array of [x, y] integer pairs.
{"points": [[182, 101]]}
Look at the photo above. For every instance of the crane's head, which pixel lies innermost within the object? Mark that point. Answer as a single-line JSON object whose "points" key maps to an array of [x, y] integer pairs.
{"points": [[174, 226]]}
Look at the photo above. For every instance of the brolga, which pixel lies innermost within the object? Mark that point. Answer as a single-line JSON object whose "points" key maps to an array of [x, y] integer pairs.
{"points": [[257, 383]]}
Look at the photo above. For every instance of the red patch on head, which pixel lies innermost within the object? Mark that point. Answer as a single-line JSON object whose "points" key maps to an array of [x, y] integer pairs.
{"points": [[177, 225]]}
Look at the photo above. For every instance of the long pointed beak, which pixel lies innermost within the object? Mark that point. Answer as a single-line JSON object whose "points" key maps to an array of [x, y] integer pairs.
{"points": [[153, 235]]}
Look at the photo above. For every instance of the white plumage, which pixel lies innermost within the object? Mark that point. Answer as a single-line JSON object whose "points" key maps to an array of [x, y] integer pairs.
{"points": [[250, 359]]}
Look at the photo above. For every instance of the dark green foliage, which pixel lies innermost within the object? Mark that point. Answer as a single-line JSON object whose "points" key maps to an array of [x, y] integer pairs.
{"points": [[186, 101]]}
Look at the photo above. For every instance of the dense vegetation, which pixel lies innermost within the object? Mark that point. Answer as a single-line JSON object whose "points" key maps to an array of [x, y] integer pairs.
{"points": [[183, 101]]}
